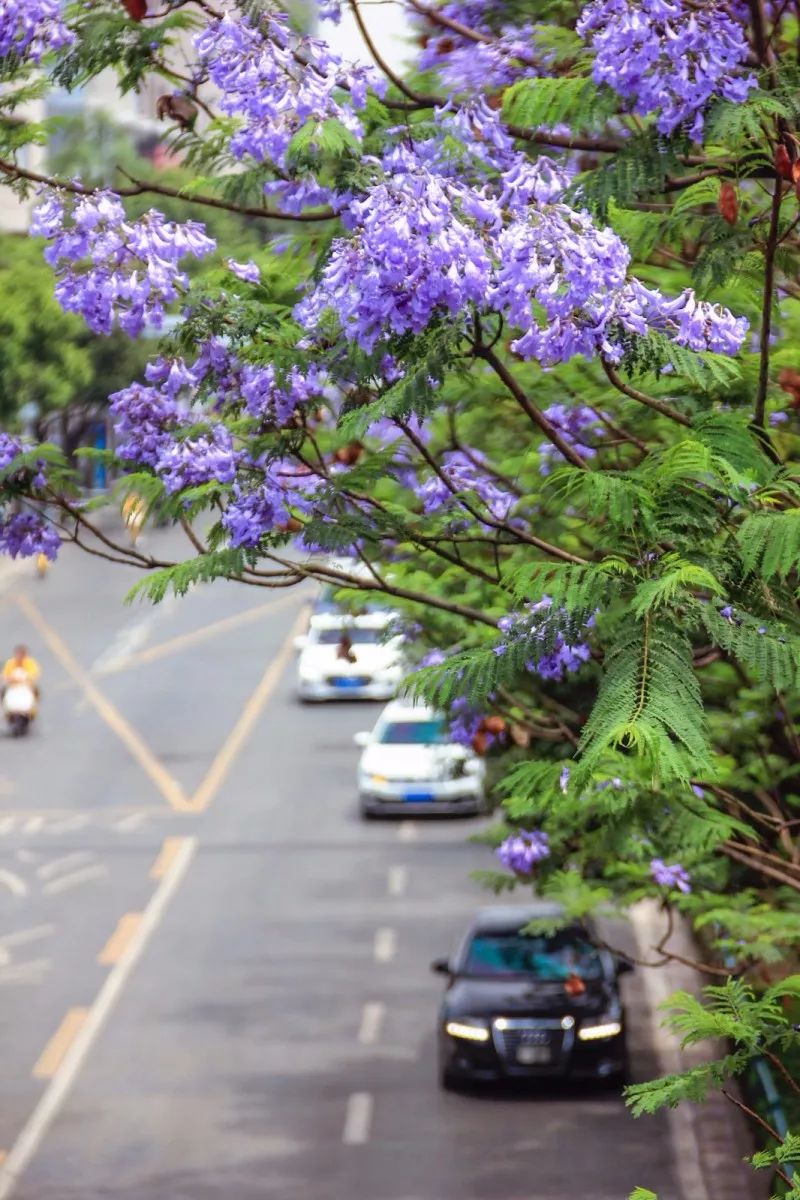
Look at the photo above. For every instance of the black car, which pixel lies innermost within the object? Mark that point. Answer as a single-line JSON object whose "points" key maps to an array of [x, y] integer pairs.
{"points": [[523, 1005]]}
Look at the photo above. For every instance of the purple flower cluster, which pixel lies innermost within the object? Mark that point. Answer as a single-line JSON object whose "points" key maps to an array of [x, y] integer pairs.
{"points": [[534, 624], [573, 422], [26, 534], [466, 473], [522, 852], [206, 458], [254, 510], [670, 57], [465, 65], [10, 447], [671, 875], [109, 267], [465, 722], [276, 82], [31, 28], [427, 245]]}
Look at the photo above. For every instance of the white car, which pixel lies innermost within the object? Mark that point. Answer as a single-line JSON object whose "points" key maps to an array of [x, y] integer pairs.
{"points": [[410, 766], [349, 657]]}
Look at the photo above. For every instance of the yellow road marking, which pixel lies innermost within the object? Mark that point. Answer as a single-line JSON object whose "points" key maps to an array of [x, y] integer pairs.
{"points": [[53, 1054], [117, 944], [250, 714], [195, 636], [166, 856], [170, 789], [3, 1155]]}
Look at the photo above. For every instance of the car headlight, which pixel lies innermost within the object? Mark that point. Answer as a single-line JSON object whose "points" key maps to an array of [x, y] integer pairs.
{"points": [[470, 1029], [606, 1026], [378, 780]]}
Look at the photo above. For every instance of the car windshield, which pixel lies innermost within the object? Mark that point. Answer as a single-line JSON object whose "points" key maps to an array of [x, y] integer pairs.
{"points": [[357, 636], [413, 733], [547, 958]]}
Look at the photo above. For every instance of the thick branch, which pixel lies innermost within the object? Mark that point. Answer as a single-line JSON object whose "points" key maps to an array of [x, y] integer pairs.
{"points": [[528, 407], [770, 250], [145, 187], [642, 397]]}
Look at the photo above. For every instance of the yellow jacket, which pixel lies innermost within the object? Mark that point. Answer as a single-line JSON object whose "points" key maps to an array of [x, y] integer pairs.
{"points": [[28, 665]]}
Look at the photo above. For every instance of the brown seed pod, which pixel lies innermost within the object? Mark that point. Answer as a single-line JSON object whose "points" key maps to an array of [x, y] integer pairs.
{"points": [[728, 203], [783, 163], [177, 109], [136, 9], [493, 725]]}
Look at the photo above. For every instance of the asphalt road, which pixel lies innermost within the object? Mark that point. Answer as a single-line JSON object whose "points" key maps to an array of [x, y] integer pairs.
{"points": [[213, 976]]}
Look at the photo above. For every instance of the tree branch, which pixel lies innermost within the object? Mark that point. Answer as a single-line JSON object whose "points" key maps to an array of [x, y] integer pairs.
{"points": [[145, 187], [770, 250], [536, 416], [642, 397]]}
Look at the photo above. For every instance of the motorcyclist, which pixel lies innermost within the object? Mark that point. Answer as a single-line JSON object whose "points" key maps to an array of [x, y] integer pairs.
{"points": [[22, 663]]}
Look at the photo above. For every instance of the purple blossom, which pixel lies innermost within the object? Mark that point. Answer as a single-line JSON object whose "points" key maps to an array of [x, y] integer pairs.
{"points": [[573, 422], [275, 82], [111, 268], [425, 244], [32, 28], [146, 419], [563, 779], [521, 852], [671, 876], [433, 658], [248, 271], [26, 534], [778, 418], [206, 458], [10, 447], [667, 56], [465, 473], [266, 506]]}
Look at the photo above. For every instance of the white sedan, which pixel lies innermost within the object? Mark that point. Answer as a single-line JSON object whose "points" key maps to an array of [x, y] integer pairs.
{"points": [[349, 658], [410, 766]]}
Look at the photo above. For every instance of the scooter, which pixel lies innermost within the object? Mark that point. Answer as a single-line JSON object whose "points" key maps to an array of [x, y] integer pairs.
{"points": [[19, 704]]}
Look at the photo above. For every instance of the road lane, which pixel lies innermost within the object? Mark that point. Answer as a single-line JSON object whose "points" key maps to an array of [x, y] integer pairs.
{"points": [[258, 1011]]}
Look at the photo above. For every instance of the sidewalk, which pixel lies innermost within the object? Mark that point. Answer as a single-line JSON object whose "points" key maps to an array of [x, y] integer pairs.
{"points": [[711, 1140]]}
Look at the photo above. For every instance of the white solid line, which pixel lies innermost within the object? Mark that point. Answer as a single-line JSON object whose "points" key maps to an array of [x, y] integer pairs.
{"points": [[385, 945], [371, 1021], [647, 929], [58, 864], [77, 877], [357, 1120], [58, 1089], [17, 886], [397, 880], [407, 831]]}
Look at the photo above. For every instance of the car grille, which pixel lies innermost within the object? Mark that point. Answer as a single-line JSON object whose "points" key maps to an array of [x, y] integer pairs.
{"points": [[512, 1035]]}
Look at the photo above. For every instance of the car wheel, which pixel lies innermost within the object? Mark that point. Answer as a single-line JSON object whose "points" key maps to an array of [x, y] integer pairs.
{"points": [[448, 1080], [366, 813]]}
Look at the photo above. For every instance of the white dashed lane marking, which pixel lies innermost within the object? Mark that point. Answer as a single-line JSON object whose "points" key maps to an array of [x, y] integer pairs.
{"points": [[397, 880], [371, 1022], [385, 945], [407, 831], [358, 1119]]}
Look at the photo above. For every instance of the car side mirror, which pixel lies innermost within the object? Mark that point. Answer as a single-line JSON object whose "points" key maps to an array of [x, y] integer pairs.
{"points": [[362, 739], [623, 966], [441, 966], [301, 642]]}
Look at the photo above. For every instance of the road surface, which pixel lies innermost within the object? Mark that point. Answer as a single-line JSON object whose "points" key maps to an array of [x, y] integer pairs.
{"points": [[214, 977]]}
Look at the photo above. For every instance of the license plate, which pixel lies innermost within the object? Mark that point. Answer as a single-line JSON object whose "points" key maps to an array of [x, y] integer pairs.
{"points": [[354, 681], [418, 797], [531, 1056]]}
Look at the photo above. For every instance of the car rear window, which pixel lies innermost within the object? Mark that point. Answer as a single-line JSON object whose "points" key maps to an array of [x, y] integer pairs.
{"points": [[358, 637], [413, 733], [545, 958]]}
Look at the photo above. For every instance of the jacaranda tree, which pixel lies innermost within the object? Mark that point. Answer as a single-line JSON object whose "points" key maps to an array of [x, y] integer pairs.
{"points": [[523, 343]]}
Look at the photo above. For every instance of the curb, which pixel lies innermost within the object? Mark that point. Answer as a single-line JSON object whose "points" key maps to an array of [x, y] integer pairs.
{"points": [[712, 1139]]}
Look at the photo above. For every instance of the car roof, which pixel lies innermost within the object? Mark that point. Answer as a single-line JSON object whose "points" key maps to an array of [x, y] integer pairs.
{"points": [[509, 918], [407, 710]]}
